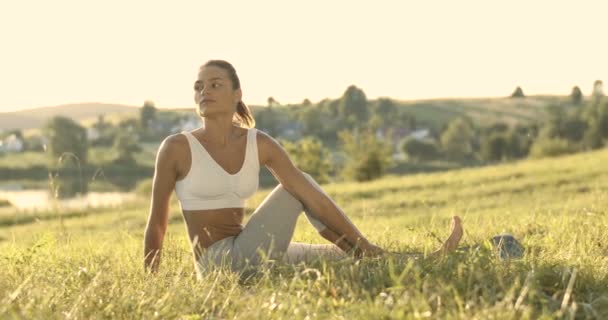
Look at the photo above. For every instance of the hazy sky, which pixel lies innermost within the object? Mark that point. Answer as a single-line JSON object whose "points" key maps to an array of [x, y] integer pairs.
{"points": [[56, 52]]}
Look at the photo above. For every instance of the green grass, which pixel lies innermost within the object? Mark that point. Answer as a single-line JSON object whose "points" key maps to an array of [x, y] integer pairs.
{"points": [[100, 156], [5, 203], [435, 113], [23, 160], [97, 156], [88, 263]]}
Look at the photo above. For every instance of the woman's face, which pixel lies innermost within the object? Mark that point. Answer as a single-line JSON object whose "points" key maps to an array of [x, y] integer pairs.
{"points": [[213, 92]]}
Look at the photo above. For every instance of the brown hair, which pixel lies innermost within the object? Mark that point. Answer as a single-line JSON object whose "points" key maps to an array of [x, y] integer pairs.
{"points": [[243, 115]]}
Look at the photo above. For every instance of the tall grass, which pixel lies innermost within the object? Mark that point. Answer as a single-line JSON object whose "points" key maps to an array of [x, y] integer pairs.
{"points": [[88, 264]]}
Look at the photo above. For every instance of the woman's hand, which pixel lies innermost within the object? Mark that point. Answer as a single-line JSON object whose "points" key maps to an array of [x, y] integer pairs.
{"points": [[367, 249]]}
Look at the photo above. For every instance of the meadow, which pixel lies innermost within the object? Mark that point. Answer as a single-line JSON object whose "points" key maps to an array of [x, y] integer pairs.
{"points": [[435, 113], [88, 264]]}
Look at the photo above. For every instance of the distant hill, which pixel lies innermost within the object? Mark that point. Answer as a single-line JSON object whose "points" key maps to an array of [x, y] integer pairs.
{"points": [[436, 112], [432, 113], [37, 117]]}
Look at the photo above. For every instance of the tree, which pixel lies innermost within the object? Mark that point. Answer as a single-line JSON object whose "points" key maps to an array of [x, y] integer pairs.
{"points": [[497, 127], [129, 125], [574, 128], [602, 118], [576, 95], [367, 158], [598, 88], [272, 102], [311, 120], [456, 140], [564, 126], [306, 103], [596, 117], [493, 142], [593, 137], [147, 114], [267, 119], [404, 119], [375, 122], [125, 146], [598, 91], [494, 147], [519, 141], [101, 123], [106, 134], [353, 103], [386, 108], [310, 156], [33, 143], [417, 150], [66, 137], [331, 106], [518, 93]]}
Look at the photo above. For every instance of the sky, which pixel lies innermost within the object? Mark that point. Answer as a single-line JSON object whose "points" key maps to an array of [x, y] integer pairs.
{"points": [[126, 52]]}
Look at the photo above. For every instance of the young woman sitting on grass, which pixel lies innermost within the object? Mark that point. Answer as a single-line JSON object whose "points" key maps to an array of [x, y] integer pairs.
{"points": [[215, 168]]}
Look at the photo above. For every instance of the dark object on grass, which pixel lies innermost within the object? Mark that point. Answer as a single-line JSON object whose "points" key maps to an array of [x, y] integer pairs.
{"points": [[507, 246]]}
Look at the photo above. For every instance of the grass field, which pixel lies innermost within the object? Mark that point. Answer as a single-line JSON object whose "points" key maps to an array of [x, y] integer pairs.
{"points": [[88, 264], [98, 156], [435, 113]]}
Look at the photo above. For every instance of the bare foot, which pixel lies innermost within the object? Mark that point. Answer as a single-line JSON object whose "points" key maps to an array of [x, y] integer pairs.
{"points": [[452, 242]]}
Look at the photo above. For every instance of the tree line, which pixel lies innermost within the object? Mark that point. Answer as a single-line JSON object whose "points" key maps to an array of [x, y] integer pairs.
{"points": [[340, 138]]}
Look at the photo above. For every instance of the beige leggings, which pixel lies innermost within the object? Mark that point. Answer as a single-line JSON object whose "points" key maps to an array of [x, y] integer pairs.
{"points": [[268, 233]]}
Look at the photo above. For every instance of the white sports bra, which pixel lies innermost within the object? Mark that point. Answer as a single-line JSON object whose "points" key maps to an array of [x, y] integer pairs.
{"points": [[208, 186]]}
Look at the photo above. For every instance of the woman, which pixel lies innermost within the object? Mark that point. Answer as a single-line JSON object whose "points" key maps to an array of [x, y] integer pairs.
{"points": [[215, 168]]}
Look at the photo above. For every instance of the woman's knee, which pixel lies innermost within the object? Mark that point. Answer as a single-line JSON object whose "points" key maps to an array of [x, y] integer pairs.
{"points": [[287, 197], [284, 191]]}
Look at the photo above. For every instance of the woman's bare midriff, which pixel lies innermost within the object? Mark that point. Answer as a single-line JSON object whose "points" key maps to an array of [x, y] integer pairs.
{"points": [[205, 227]]}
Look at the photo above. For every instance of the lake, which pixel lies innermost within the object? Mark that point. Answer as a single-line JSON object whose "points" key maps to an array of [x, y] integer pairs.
{"points": [[41, 199]]}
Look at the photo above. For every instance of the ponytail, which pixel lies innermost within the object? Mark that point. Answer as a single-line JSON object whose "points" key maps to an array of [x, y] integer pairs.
{"points": [[243, 116]]}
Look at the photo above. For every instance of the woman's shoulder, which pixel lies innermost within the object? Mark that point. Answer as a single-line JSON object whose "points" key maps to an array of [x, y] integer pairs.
{"points": [[176, 140], [262, 137], [268, 146], [174, 144]]}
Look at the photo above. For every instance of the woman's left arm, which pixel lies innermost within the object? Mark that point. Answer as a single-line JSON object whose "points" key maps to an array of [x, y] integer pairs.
{"points": [[276, 159]]}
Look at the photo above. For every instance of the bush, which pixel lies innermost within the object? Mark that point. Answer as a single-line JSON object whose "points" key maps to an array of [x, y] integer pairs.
{"points": [[419, 149], [457, 139], [593, 137], [144, 187], [66, 138], [367, 157], [125, 146], [310, 156], [5, 203], [518, 143], [551, 148], [494, 147]]}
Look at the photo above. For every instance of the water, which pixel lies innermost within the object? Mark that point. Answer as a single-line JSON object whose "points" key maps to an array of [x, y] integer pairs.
{"points": [[41, 199]]}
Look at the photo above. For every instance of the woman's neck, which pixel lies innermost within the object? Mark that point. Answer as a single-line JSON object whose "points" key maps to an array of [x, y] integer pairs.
{"points": [[219, 133]]}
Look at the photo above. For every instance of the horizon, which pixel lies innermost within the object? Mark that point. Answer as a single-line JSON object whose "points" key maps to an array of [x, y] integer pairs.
{"points": [[287, 104], [403, 51]]}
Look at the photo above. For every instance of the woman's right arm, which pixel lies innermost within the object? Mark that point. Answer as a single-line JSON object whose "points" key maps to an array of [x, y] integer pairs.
{"points": [[163, 184]]}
